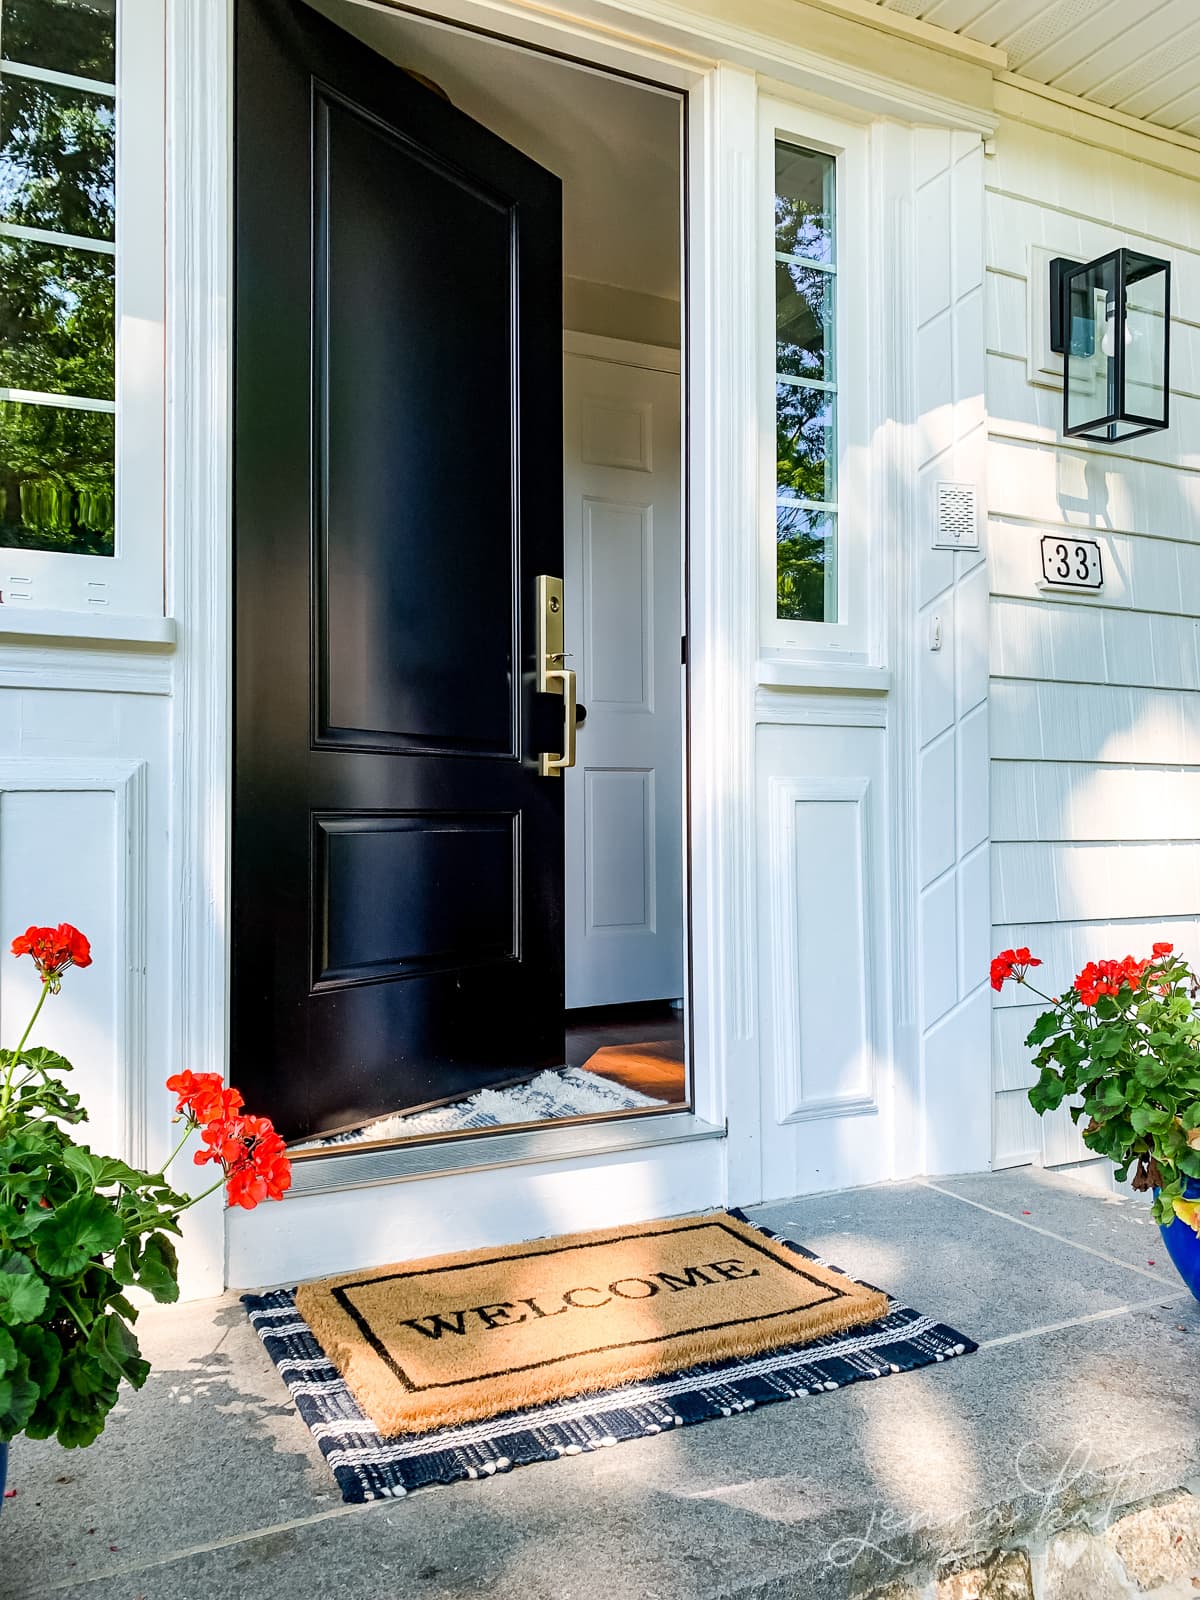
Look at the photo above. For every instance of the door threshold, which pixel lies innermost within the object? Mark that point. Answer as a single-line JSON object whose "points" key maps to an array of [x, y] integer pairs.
{"points": [[351, 1169]]}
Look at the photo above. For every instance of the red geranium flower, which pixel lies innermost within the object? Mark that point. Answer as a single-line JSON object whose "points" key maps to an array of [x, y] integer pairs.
{"points": [[1012, 964], [1108, 978], [253, 1155], [1162, 949], [203, 1097], [54, 950]]}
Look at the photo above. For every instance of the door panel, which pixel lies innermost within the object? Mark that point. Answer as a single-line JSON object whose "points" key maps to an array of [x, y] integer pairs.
{"points": [[393, 668], [623, 588], [397, 860]]}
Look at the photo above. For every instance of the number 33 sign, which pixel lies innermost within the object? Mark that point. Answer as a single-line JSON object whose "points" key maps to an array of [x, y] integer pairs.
{"points": [[1071, 563]]}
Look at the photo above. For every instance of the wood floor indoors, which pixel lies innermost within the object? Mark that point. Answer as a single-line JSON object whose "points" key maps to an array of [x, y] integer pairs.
{"points": [[639, 1046]]}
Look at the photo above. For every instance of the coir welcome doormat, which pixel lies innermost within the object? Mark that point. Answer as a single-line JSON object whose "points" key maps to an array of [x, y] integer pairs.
{"points": [[369, 1466], [434, 1343]]}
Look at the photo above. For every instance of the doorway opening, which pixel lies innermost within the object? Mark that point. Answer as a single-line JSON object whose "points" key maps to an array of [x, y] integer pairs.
{"points": [[609, 940]]}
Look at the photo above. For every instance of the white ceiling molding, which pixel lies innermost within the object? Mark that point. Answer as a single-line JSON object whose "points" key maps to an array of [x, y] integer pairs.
{"points": [[1138, 58]]}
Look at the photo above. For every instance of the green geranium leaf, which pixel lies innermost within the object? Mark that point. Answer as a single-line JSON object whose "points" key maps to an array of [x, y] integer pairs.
{"points": [[19, 1396], [114, 1171], [84, 1227], [42, 1350], [115, 1348], [46, 1061], [124, 1264], [79, 1159], [1149, 1119], [23, 1294], [159, 1270], [1046, 1025], [123, 1307]]}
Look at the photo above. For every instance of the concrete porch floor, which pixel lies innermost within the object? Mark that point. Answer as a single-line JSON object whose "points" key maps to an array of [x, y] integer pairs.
{"points": [[1083, 1398]]}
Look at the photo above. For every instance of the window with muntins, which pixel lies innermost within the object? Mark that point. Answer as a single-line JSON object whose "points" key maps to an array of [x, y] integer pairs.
{"points": [[80, 304], [819, 574], [806, 430]]}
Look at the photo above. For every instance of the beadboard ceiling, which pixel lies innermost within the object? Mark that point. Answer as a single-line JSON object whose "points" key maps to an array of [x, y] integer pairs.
{"points": [[1141, 57]]}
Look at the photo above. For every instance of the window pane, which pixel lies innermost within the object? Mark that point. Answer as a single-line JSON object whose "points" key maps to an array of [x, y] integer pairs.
{"points": [[57, 158], [56, 319], [804, 443], [56, 479], [75, 36], [806, 554], [803, 321], [805, 385], [804, 189]]}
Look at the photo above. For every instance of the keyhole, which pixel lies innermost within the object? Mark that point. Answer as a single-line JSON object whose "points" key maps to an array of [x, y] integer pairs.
{"points": [[555, 604]]}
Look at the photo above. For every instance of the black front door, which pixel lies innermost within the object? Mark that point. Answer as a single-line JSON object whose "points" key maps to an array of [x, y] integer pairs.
{"points": [[397, 860]]}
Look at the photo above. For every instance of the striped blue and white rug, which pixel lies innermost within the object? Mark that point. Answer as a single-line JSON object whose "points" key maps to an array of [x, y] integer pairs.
{"points": [[368, 1466]]}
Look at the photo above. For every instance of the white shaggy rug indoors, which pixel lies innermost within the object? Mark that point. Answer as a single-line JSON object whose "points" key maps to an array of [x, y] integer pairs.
{"points": [[547, 1098]]}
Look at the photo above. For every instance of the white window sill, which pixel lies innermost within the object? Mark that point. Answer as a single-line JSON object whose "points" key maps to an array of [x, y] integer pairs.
{"points": [[356, 1168], [85, 627], [850, 677]]}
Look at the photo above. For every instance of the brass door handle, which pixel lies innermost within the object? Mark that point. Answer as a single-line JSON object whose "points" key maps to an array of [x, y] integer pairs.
{"points": [[552, 676], [553, 765]]}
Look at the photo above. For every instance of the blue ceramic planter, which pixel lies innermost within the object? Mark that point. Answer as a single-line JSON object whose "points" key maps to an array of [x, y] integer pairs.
{"points": [[1183, 1243], [3, 1472]]}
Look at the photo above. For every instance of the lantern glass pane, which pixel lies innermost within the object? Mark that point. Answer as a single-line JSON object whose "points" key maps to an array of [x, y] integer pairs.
{"points": [[1146, 335], [1091, 333]]}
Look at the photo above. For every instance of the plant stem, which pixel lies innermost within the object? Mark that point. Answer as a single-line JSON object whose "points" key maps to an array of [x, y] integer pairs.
{"points": [[75, 1317], [187, 1134], [196, 1198], [6, 1096]]}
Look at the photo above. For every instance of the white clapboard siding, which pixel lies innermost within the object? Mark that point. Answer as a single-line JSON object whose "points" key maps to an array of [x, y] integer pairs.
{"points": [[1024, 410], [1078, 487], [1137, 649], [1063, 800], [1095, 698]]}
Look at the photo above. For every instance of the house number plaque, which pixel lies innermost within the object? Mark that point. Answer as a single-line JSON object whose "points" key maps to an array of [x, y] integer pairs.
{"points": [[1070, 563]]}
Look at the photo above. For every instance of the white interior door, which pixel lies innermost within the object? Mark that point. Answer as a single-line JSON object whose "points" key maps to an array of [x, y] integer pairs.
{"points": [[623, 592]]}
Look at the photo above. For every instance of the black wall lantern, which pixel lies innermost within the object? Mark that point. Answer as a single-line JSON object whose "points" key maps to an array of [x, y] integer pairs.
{"points": [[1110, 320]]}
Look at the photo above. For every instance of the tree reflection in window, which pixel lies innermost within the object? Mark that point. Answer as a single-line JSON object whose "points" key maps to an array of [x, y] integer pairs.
{"points": [[57, 309], [805, 385]]}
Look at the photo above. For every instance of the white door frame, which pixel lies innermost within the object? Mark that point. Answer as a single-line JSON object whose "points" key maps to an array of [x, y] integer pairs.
{"points": [[655, 40]]}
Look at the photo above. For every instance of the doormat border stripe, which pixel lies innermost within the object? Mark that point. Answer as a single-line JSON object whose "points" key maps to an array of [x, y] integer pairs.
{"points": [[368, 1466]]}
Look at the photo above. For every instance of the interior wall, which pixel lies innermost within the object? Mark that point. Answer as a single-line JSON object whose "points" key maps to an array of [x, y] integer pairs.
{"points": [[616, 313], [1096, 699]]}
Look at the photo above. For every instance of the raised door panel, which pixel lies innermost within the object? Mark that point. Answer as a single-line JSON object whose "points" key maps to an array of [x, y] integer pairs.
{"points": [[399, 894], [619, 840], [413, 448], [825, 1107], [618, 606]]}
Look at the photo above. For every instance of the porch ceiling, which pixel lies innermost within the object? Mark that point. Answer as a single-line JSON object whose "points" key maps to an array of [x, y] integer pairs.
{"points": [[1141, 57]]}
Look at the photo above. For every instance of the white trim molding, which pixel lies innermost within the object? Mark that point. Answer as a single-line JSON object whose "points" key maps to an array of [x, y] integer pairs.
{"points": [[199, 468]]}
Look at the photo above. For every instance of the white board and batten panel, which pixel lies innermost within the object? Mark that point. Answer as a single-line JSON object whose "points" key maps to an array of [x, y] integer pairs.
{"points": [[822, 931], [623, 593], [1095, 791]]}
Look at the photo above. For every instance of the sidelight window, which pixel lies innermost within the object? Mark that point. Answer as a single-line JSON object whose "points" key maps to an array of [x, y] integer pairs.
{"points": [[805, 384], [80, 304], [815, 442]]}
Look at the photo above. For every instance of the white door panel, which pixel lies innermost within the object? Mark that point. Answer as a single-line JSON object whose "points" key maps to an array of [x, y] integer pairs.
{"points": [[623, 591]]}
